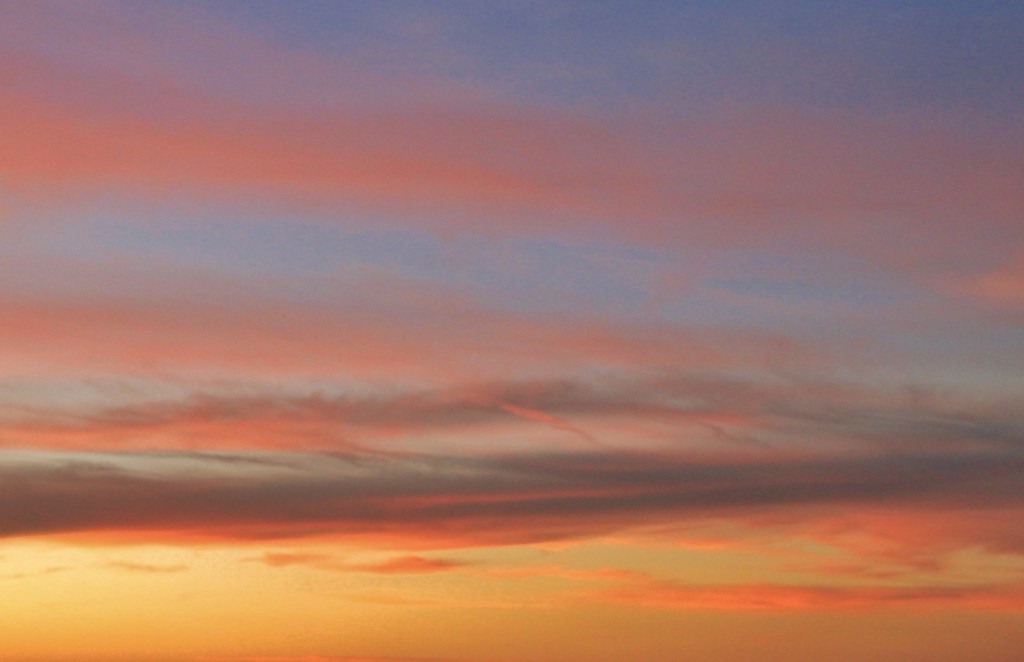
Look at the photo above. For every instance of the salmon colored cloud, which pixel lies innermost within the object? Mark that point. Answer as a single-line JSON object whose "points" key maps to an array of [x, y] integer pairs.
{"points": [[1001, 288], [398, 565], [437, 335], [714, 416], [377, 161], [786, 598], [738, 178], [717, 415]]}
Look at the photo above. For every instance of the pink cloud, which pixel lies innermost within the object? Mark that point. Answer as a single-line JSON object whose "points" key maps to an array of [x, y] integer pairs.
{"points": [[416, 331], [896, 191], [1000, 288]]}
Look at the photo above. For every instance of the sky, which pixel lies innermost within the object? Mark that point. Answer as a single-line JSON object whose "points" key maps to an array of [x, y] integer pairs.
{"points": [[511, 331]]}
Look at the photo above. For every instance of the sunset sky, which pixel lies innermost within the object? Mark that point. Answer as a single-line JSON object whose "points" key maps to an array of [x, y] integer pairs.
{"points": [[511, 331]]}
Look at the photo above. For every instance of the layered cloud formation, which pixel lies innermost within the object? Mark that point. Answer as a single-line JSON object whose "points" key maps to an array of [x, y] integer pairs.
{"points": [[591, 309]]}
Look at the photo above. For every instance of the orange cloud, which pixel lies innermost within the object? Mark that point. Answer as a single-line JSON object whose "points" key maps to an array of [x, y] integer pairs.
{"points": [[146, 567], [782, 598], [320, 658], [408, 564], [399, 565], [559, 572]]}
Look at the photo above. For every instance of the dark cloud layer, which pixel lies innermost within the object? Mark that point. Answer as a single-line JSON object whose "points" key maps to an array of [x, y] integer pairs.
{"points": [[447, 500]]}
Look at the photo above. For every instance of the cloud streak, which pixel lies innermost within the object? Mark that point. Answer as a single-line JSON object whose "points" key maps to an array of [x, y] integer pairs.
{"points": [[720, 178], [782, 598], [721, 410], [447, 501], [409, 564]]}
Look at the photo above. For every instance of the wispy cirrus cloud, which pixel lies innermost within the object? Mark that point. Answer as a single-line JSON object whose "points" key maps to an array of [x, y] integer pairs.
{"points": [[718, 411]]}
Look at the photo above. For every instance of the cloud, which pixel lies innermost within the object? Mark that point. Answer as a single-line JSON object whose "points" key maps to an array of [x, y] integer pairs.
{"points": [[559, 572], [409, 564], [321, 658], [198, 109], [888, 189], [39, 573], [151, 568], [447, 501], [414, 331], [496, 165], [721, 412], [285, 559], [1000, 288], [398, 565], [783, 598]]}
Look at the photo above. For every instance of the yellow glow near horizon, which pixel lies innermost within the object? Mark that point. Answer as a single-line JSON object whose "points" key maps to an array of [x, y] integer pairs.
{"points": [[68, 602]]}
